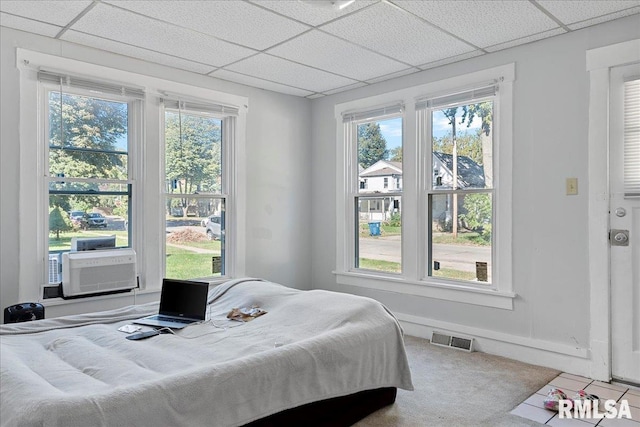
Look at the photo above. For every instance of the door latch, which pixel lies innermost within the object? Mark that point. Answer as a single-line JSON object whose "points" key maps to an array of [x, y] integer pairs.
{"points": [[619, 237]]}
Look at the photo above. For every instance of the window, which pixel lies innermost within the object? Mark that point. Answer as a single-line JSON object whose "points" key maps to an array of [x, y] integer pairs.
{"points": [[438, 225], [196, 188], [459, 197], [94, 149], [377, 140], [632, 138], [89, 128]]}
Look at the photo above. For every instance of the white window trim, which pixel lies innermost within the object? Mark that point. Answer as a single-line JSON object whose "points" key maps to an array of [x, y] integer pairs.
{"points": [[228, 126], [149, 199], [411, 280]]}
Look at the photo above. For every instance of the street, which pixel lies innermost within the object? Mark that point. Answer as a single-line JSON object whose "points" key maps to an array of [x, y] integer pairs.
{"points": [[457, 257]]}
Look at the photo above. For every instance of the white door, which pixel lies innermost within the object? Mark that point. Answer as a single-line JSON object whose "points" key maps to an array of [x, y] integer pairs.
{"points": [[624, 216]]}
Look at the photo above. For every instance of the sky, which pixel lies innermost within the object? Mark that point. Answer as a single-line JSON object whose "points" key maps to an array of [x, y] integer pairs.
{"points": [[392, 129]]}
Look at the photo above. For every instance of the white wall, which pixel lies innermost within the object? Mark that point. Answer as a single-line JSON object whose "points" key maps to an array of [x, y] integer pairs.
{"points": [[278, 153], [550, 239]]}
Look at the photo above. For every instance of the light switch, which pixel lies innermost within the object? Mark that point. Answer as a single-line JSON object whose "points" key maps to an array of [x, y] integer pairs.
{"points": [[572, 186]]}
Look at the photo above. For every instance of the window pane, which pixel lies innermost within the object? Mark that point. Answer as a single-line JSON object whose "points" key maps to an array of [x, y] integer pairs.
{"points": [[195, 235], [380, 156], [379, 239], [88, 137], [193, 153], [87, 216], [461, 250], [463, 133]]}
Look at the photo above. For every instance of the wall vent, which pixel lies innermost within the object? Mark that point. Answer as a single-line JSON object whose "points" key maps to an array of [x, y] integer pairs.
{"points": [[459, 343]]}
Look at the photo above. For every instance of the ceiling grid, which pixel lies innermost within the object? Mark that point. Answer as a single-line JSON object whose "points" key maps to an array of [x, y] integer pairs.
{"points": [[303, 48]]}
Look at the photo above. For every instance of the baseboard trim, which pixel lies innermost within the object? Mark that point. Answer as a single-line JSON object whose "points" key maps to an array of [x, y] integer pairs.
{"points": [[563, 357]]}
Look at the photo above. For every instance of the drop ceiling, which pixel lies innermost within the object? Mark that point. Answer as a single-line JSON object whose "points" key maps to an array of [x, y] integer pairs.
{"points": [[306, 48]]}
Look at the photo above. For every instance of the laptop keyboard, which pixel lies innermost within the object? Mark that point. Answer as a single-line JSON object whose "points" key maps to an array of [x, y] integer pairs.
{"points": [[173, 319]]}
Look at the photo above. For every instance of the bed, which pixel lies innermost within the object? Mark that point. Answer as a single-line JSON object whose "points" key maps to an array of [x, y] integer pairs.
{"points": [[316, 357]]}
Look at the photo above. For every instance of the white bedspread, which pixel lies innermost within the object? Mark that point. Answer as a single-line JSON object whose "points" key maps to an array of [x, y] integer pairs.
{"points": [[81, 371]]}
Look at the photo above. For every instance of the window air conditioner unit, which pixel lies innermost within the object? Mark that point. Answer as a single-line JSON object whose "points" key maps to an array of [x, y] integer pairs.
{"points": [[98, 272], [54, 269]]}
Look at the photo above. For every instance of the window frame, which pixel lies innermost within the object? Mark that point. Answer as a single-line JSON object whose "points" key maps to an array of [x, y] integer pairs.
{"points": [[228, 139], [134, 132], [413, 280], [147, 228]]}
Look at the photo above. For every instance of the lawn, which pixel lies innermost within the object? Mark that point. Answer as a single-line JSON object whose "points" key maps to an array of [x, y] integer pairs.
{"points": [[394, 267], [184, 264], [64, 242]]}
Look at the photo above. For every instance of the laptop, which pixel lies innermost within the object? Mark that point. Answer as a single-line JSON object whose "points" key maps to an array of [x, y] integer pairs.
{"points": [[182, 302]]}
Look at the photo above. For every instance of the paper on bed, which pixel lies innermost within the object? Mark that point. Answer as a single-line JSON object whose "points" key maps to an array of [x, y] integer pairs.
{"points": [[334, 344]]}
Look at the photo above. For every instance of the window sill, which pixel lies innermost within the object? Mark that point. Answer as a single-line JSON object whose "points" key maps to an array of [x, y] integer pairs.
{"points": [[456, 293], [133, 294], [50, 302]]}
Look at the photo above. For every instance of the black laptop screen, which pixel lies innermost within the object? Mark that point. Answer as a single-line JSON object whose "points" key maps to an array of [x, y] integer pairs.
{"points": [[184, 298]]}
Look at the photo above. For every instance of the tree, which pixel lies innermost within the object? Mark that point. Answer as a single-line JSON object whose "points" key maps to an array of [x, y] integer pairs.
{"points": [[372, 146], [485, 111], [82, 132], [193, 154], [469, 144], [58, 222], [478, 216], [395, 154]]}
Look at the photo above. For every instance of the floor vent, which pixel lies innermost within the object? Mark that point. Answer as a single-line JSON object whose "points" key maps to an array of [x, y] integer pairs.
{"points": [[459, 343]]}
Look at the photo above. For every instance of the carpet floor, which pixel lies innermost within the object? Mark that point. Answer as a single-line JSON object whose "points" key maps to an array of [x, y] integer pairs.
{"points": [[456, 388]]}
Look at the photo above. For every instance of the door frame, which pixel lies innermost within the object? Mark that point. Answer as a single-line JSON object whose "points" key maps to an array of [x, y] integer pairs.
{"points": [[599, 63]]}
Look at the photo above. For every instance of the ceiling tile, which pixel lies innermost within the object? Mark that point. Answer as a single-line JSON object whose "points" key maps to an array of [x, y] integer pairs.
{"points": [[136, 52], [24, 24], [524, 40], [393, 75], [259, 83], [282, 71], [54, 12], [313, 15], [241, 22], [451, 60], [321, 50], [126, 27], [568, 13], [395, 33], [483, 23], [342, 89], [605, 18]]}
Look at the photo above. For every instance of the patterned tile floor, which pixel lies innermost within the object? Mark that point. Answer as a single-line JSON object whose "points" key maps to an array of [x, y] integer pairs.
{"points": [[533, 408]]}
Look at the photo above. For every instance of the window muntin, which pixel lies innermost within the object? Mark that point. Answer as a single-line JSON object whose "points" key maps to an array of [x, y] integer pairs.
{"points": [[195, 193], [377, 218], [460, 195], [88, 141]]}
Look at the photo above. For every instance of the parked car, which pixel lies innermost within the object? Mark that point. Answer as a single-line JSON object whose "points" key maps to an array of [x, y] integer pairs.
{"points": [[76, 216], [93, 220], [214, 227]]}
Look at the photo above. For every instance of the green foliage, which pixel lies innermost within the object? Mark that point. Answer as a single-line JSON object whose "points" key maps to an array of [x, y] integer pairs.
{"points": [[59, 222], [79, 129], [467, 144], [395, 154], [193, 154], [478, 216], [395, 220], [482, 109], [372, 146]]}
